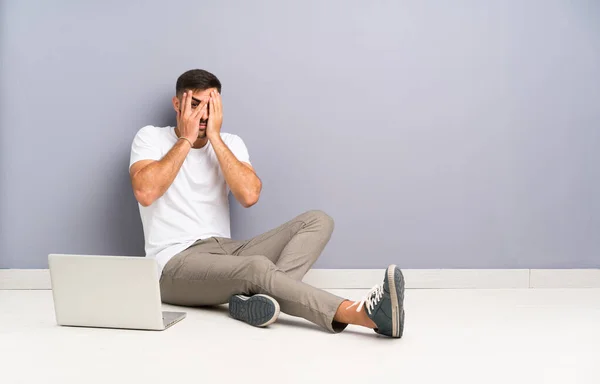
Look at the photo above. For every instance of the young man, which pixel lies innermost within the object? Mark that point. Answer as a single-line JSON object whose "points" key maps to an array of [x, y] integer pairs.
{"points": [[181, 177]]}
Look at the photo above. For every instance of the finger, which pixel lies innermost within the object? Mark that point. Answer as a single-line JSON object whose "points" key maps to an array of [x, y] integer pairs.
{"points": [[199, 111], [212, 107], [219, 106], [188, 102], [200, 108], [183, 106]]}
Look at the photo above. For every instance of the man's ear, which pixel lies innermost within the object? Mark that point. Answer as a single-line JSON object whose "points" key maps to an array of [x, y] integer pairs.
{"points": [[176, 104]]}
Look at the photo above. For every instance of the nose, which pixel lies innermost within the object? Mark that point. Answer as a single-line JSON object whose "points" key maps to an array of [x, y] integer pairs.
{"points": [[204, 115]]}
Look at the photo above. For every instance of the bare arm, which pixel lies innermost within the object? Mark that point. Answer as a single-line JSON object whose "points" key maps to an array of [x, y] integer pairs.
{"points": [[150, 179], [241, 178]]}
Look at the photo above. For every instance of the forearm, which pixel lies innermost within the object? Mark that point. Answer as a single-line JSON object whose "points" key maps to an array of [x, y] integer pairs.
{"points": [[242, 180], [152, 181]]}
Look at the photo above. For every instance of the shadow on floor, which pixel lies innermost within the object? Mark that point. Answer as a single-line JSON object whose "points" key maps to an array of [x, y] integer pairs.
{"points": [[291, 322]]}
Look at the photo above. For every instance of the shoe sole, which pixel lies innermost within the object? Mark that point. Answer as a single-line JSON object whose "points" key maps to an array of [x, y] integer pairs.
{"points": [[257, 310], [397, 310]]}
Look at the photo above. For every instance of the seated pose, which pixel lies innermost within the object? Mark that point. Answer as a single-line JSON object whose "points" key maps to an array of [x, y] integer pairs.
{"points": [[181, 177]]}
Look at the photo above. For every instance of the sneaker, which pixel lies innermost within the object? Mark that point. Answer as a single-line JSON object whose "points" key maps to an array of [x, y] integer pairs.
{"points": [[385, 304], [256, 310]]}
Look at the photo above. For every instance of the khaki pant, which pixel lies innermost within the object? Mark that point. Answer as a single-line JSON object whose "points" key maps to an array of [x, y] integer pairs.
{"points": [[274, 263]]}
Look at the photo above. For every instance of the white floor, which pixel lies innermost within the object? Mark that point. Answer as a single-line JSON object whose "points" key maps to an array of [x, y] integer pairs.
{"points": [[451, 336]]}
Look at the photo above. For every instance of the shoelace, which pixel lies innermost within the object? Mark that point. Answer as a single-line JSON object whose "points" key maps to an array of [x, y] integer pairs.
{"points": [[371, 300]]}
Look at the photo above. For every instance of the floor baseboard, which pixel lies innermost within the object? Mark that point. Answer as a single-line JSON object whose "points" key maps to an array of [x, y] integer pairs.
{"points": [[24, 279], [367, 278], [421, 278], [564, 278]]}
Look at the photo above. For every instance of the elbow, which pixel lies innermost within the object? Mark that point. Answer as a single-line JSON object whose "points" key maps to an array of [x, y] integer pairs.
{"points": [[251, 197], [144, 198], [145, 193], [249, 200]]}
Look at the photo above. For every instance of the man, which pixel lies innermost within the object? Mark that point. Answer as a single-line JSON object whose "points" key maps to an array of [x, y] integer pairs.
{"points": [[181, 177]]}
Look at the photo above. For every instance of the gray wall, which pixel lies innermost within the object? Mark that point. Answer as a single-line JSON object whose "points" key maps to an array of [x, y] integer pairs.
{"points": [[438, 134]]}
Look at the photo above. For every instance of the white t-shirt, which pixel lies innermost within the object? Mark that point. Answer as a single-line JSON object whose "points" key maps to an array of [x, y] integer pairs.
{"points": [[196, 205]]}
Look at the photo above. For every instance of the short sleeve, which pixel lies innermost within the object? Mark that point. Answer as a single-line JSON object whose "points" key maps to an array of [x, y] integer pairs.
{"points": [[238, 148], [145, 146]]}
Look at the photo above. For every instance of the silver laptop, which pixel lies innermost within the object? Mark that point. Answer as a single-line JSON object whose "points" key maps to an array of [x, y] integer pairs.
{"points": [[108, 292]]}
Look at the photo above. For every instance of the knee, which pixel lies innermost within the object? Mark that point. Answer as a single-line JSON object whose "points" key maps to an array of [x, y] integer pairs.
{"points": [[259, 265], [323, 219], [258, 273]]}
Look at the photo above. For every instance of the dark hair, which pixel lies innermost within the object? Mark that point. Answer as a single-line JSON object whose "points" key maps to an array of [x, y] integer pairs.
{"points": [[196, 80]]}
